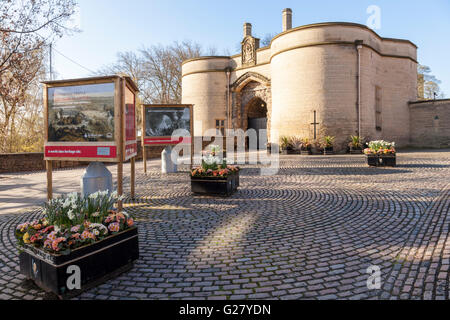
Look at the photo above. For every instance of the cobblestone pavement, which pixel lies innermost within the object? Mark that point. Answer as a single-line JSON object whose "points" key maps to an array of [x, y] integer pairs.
{"points": [[309, 232]]}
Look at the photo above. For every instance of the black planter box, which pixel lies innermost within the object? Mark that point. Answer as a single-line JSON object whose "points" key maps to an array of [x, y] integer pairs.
{"points": [[306, 152], [355, 151], [381, 160], [98, 262], [289, 150], [215, 186], [328, 151]]}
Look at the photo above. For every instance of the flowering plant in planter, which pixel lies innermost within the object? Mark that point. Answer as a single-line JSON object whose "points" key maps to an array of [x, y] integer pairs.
{"points": [[214, 166], [285, 144], [356, 142], [305, 144], [72, 221], [296, 143], [380, 147], [328, 142]]}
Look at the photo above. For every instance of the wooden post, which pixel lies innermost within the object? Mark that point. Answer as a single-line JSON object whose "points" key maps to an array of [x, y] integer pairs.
{"points": [[133, 176], [119, 184], [144, 158], [49, 166], [192, 151], [121, 155]]}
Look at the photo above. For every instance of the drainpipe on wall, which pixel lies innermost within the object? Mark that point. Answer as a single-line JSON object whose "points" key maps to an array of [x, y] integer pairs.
{"points": [[228, 73], [358, 45]]}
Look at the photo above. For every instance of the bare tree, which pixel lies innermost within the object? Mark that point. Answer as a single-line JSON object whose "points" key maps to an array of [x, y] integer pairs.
{"points": [[267, 39], [18, 85], [26, 25], [25, 28], [156, 70], [428, 84]]}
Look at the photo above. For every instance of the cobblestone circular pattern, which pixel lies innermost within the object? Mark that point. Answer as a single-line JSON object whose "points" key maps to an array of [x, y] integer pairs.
{"points": [[309, 232]]}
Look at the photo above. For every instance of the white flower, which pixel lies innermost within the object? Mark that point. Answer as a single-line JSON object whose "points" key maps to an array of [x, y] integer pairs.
{"points": [[57, 228], [114, 195], [209, 160], [99, 226], [66, 203], [73, 195], [93, 195], [71, 215], [95, 214]]}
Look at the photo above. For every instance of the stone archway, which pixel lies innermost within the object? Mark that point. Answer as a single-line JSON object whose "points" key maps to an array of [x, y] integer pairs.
{"points": [[248, 92], [256, 112]]}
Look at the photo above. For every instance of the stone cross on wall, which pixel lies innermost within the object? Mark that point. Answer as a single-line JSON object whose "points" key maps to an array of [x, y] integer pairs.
{"points": [[315, 123]]}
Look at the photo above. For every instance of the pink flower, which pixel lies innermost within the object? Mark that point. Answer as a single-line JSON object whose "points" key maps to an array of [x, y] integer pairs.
{"points": [[48, 244], [130, 222], [114, 227], [52, 236], [75, 236], [55, 243], [87, 235], [75, 228], [22, 226]]}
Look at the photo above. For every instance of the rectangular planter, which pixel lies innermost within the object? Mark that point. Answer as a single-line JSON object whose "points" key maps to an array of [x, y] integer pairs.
{"points": [[215, 186], [96, 262], [328, 151], [356, 151], [381, 160]]}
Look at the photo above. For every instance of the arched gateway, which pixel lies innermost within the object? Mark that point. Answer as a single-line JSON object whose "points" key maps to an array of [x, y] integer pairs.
{"points": [[251, 103]]}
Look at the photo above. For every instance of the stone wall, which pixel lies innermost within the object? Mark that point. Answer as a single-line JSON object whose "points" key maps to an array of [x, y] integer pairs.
{"points": [[430, 123], [20, 162]]}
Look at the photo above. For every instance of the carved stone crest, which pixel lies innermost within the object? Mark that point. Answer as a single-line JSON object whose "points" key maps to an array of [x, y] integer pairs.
{"points": [[249, 46]]}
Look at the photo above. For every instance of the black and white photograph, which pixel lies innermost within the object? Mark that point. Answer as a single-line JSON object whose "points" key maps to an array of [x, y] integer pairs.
{"points": [[163, 121]]}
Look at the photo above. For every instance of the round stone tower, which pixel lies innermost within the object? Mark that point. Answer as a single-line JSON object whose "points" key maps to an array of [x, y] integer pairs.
{"points": [[334, 78]]}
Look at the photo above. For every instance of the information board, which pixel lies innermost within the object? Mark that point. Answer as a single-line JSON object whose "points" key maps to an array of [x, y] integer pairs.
{"points": [[160, 122]]}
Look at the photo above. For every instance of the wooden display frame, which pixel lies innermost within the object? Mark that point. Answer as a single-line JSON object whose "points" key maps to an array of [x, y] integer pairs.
{"points": [[162, 138], [118, 146]]}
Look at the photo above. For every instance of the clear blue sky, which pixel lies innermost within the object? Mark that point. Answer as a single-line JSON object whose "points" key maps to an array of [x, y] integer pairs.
{"points": [[110, 26]]}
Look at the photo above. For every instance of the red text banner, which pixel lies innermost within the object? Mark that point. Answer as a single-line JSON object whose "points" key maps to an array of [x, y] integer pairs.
{"points": [[168, 141], [80, 151], [130, 151]]}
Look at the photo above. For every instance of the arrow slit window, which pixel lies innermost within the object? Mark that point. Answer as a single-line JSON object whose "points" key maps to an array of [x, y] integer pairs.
{"points": [[378, 109]]}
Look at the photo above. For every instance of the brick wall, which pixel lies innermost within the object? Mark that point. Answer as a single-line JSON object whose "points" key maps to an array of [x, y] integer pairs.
{"points": [[430, 123], [19, 162]]}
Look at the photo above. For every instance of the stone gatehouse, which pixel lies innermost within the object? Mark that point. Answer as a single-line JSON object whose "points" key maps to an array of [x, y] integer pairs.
{"points": [[334, 78]]}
